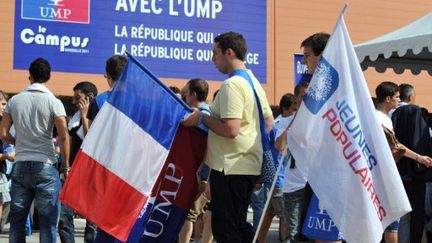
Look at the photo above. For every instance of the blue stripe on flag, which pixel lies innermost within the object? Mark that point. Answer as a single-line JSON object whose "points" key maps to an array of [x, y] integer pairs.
{"points": [[148, 102], [163, 231]]}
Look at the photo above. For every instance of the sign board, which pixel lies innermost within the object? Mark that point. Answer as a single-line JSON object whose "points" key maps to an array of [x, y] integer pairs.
{"points": [[173, 38]]}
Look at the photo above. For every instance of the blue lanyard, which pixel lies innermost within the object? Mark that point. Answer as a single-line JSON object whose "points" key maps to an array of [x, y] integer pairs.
{"points": [[242, 73]]}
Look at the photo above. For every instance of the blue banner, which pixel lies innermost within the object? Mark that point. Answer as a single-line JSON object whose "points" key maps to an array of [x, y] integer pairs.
{"points": [[300, 70], [172, 38], [318, 225]]}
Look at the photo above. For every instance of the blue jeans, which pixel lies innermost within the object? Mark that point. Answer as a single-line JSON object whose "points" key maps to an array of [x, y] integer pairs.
{"points": [[41, 182], [258, 199]]}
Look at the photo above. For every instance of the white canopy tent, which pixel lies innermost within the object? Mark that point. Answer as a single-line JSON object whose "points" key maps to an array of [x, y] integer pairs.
{"points": [[409, 47]]}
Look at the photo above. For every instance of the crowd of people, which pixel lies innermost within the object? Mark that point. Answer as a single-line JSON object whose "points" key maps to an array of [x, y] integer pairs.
{"points": [[229, 178]]}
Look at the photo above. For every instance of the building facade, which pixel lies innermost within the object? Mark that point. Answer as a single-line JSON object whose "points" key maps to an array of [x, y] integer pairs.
{"points": [[180, 38]]}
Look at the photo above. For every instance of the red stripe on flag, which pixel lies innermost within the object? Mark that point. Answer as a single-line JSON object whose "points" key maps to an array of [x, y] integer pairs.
{"points": [[102, 197]]}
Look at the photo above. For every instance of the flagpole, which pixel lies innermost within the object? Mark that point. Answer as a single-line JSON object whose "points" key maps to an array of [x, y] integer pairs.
{"points": [[269, 195], [344, 9]]}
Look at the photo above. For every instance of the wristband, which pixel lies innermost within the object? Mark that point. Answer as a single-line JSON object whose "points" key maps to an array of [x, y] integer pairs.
{"points": [[67, 168]]}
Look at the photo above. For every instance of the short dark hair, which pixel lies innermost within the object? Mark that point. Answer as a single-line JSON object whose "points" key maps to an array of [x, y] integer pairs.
{"points": [[234, 41], [87, 88], [199, 87], [174, 89], [385, 89], [215, 94], [405, 90], [317, 42], [285, 102], [114, 66], [40, 70], [375, 102], [3, 95], [299, 87]]}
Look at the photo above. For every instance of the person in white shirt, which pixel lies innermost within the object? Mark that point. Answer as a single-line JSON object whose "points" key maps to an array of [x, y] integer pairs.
{"points": [[294, 184]]}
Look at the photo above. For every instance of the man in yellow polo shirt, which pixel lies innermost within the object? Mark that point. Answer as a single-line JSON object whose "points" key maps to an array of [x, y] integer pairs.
{"points": [[234, 141]]}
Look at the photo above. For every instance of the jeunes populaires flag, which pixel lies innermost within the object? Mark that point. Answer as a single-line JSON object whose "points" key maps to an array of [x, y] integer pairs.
{"points": [[341, 148]]}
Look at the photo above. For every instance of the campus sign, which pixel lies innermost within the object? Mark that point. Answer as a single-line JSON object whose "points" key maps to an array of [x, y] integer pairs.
{"points": [[173, 38]]}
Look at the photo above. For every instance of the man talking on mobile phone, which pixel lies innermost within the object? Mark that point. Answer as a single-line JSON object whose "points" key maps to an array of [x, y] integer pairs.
{"points": [[84, 92]]}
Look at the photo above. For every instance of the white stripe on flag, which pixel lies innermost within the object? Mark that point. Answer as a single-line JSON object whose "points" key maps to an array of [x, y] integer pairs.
{"points": [[137, 161]]}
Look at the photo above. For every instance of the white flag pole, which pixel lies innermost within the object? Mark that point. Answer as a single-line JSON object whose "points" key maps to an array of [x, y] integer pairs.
{"points": [[269, 195]]}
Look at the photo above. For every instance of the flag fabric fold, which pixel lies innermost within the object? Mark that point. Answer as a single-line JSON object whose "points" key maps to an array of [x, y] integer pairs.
{"points": [[173, 193], [340, 147], [124, 151]]}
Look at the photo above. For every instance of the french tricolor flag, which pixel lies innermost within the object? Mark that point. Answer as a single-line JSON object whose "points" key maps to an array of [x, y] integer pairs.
{"points": [[124, 152], [173, 193]]}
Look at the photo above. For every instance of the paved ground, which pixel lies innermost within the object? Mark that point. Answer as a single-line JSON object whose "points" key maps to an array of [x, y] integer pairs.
{"points": [[34, 238], [80, 224], [272, 237]]}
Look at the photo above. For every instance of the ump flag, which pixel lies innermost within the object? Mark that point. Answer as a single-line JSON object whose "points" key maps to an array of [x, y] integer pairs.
{"points": [[123, 154], [173, 194], [341, 148]]}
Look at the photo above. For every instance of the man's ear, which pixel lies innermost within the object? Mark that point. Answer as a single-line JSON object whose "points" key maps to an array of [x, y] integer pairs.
{"points": [[388, 98], [230, 53]]}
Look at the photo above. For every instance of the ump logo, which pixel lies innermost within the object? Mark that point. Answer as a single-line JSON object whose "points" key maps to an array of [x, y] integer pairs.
{"points": [[326, 82], [75, 11]]}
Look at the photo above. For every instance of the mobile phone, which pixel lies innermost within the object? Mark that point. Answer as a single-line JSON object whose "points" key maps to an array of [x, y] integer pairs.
{"points": [[90, 97]]}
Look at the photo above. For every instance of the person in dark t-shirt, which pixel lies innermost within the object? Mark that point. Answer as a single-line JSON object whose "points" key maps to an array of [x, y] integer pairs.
{"points": [[84, 92]]}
